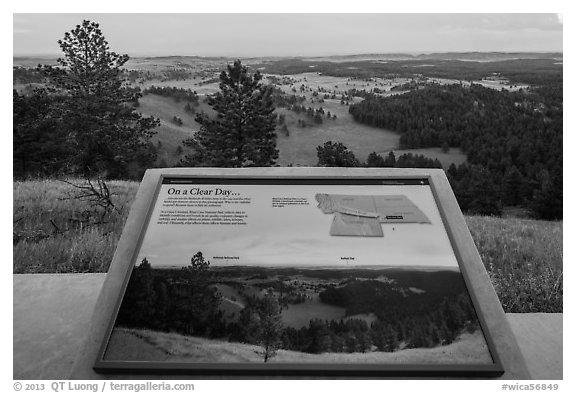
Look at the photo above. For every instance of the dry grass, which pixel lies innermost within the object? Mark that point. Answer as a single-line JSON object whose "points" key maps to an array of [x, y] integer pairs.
{"points": [[523, 257], [148, 345], [524, 260], [169, 134], [52, 234]]}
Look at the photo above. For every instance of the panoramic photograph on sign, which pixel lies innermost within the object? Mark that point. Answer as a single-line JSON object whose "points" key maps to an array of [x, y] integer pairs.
{"points": [[296, 272]]}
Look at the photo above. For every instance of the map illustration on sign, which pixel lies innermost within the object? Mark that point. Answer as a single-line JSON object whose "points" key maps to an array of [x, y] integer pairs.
{"points": [[361, 215], [287, 272]]}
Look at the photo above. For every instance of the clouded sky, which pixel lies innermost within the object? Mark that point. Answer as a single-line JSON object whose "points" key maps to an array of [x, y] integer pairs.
{"points": [[295, 34]]}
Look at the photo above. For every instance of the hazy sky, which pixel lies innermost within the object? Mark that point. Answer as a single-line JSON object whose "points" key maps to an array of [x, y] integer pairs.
{"points": [[295, 34]]}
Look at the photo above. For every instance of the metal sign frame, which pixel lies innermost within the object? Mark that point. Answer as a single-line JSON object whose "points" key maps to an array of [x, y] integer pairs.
{"points": [[507, 360]]}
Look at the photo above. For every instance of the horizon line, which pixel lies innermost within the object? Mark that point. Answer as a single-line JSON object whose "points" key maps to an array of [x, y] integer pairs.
{"points": [[409, 53]]}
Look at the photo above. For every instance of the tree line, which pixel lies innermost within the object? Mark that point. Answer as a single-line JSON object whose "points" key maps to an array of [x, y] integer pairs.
{"points": [[510, 138], [177, 93], [540, 72], [336, 154]]}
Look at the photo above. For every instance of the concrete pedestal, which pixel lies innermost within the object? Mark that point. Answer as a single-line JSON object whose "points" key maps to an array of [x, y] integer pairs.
{"points": [[52, 313]]}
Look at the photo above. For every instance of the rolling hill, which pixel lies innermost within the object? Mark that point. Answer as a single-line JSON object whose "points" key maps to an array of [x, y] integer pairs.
{"points": [[147, 345]]}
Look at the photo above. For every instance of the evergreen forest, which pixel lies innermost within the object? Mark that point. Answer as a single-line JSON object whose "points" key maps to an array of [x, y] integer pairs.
{"points": [[407, 307], [513, 141]]}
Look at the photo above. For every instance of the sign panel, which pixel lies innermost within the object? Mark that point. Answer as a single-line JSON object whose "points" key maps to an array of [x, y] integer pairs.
{"points": [[297, 275]]}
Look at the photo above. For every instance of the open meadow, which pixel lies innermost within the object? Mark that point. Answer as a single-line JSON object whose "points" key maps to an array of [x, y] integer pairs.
{"points": [[297, 146], [169, 135], [297, 142]]}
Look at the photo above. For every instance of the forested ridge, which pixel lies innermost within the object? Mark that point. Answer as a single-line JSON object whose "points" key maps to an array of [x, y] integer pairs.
{"points": [[513, 140], [530, 71]]}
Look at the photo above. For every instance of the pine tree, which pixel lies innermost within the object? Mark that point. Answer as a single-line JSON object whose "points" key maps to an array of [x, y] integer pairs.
{"points": [[271, 322], [199, 311], [390, 160], [547, 202], [481, 186], [98, 110], [336, 154], [189, 109], [375, 160], [39, 145], [261, 323], [512, 186], [243, 132], [320, 336], [138, 305]]}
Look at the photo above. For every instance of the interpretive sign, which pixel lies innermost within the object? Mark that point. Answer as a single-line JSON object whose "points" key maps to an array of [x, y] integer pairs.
{"points": [[293, 274]]}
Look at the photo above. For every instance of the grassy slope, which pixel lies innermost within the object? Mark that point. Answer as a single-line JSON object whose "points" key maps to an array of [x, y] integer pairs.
{"points": [[523, 257], [299, 148], [54, 234], [524, 260], [136, 344], [169, 134]]}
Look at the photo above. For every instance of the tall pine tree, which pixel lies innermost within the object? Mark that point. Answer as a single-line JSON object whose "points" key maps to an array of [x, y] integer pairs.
{"points": [[98, 111], [243, 132], [270, 326]]}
